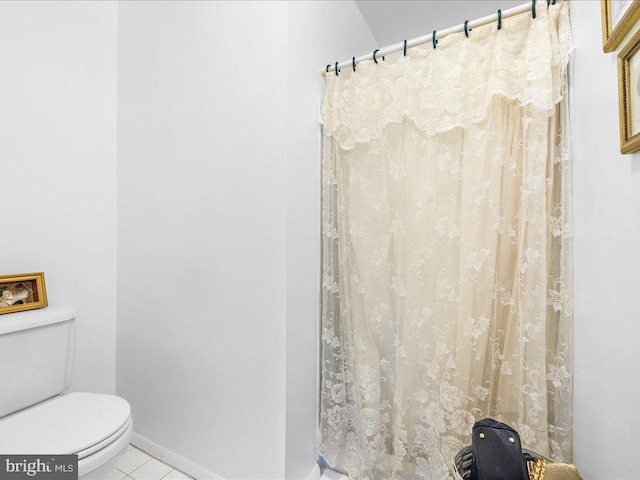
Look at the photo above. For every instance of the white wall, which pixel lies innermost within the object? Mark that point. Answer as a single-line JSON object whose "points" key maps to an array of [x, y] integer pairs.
{"points": [[218, 228], [391, 21], [606, 263], [202, 232], [318, 33], [58, 165]]}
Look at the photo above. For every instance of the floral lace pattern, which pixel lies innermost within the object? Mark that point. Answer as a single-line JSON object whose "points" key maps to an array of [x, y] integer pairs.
{"points": [[452, 85], [446, 282]]}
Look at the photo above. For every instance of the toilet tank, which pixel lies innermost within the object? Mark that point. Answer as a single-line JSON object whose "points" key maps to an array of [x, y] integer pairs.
{"points": [[36, 356]]}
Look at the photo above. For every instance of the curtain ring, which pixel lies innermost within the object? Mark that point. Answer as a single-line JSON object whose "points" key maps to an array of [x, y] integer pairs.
{"points": [[374, 54], [466, 27], [336, 69], [434, 39], [405, 48], [533, 8], [499, 19], [353, 62]]}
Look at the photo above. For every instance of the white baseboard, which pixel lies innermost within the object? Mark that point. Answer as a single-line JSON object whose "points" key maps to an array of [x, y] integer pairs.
{"points": [[315, 473], [187, 466]]}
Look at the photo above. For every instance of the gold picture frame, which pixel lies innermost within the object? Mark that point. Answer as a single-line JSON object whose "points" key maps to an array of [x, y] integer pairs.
{"points": [[618, 16], [629, 95], [21, 292]]}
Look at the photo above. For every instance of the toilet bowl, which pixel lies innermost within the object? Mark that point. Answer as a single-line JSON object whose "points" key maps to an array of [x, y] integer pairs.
{"points": [[36, 358]]}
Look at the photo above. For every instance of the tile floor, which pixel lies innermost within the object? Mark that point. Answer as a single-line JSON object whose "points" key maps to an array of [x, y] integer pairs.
{"points": [[329, 474], [138, 465]]}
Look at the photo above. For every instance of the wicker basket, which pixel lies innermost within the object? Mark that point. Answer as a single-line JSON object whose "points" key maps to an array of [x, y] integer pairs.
{"points": [[539, 467]]}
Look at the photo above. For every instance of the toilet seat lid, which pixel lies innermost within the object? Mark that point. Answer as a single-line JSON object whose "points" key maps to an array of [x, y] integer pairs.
{"points": [[63, 425]]}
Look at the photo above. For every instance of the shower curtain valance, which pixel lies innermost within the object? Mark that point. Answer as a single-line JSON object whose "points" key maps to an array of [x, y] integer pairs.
{"points": [[453, 85]]}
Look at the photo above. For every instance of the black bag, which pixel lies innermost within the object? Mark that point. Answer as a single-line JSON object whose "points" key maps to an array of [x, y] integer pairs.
{"points": [[495, 453]]}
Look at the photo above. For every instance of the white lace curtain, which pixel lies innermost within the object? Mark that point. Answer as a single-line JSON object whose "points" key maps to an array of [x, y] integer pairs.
{"points": [[446, 252]]}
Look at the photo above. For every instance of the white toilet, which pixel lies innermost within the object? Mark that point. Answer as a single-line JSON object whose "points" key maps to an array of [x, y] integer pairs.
{"points": [[36, 360]]}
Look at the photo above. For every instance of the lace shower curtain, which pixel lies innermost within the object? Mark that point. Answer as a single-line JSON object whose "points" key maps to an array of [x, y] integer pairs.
{"points": [[446, 252]]}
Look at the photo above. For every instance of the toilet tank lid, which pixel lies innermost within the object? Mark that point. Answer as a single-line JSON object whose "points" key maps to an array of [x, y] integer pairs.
{"points": [[15, 322]]}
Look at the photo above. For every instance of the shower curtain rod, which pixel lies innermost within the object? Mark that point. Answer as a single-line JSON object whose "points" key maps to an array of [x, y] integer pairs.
{"points": [[433, 37]]}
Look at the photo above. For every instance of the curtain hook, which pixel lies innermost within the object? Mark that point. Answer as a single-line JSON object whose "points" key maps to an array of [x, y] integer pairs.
{"points": [[336, 69], [326, 70], [466, 27], [548, 3], [499, 19], [374, 54], [533, 8], [353, 62], [405, 48], [434, 40]]}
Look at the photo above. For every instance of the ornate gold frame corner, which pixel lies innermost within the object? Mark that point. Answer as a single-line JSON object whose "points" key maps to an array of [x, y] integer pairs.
{"points": [[40, 291], [612, 36]]}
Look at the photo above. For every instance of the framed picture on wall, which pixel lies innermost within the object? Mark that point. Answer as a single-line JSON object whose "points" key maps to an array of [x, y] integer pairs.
{"points": [[22, 292], [618, 16], [629, 95]]}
